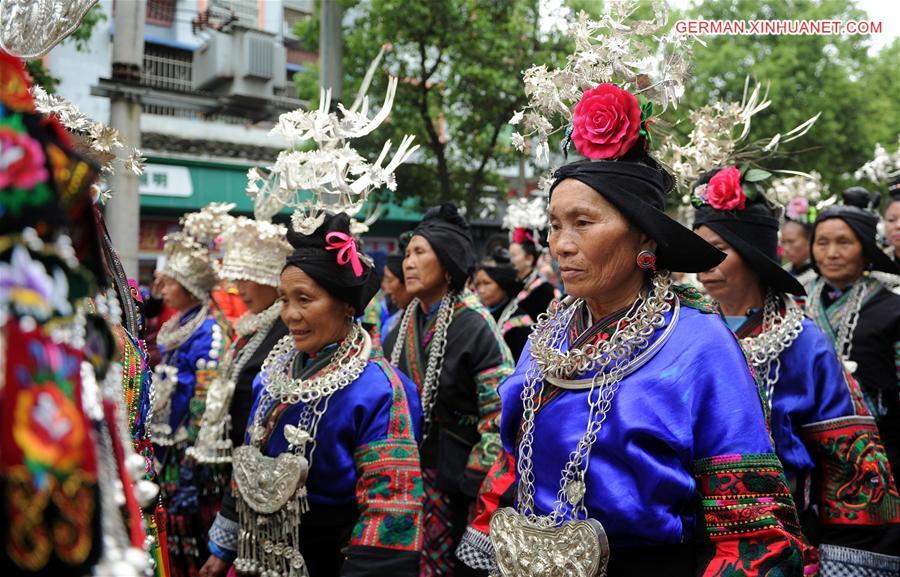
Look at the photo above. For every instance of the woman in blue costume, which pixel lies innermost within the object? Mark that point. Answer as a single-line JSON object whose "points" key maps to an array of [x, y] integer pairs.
{"points": [[824, 434], [335, 426], [190, 343], [633, 430]]}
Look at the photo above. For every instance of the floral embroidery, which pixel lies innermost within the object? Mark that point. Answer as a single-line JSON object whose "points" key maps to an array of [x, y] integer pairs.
{"points": [[390, 491], [749, 516], [857, 486]]}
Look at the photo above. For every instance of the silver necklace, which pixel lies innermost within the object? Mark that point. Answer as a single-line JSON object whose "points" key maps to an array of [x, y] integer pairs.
{"points": [[527, 544], [171, 335], [250, 323], [777, 335], [436, 355], [271, 491], [513, 305], [214, 443], [845, 321]]}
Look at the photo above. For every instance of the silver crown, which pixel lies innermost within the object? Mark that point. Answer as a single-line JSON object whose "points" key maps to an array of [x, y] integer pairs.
{"points": [[254, 250], [188, 256]]}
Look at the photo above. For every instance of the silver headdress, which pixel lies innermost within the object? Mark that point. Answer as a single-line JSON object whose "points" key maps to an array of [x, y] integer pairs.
{"points": [[254, 250], [718, 139], [616, 49], [188, 254], [102, 139], [338, 178], [524, 216], [31, 28], [883, 166]]}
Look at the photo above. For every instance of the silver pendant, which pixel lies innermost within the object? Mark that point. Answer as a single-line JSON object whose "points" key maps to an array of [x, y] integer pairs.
{"points": [[526, 549], [267, 483]]}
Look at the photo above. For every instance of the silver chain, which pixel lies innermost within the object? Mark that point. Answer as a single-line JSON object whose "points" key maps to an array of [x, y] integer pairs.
{"points": [[777, 335], [345, 366], [250, 323], [846, 320], [171, 335], [435, 362], [611, 359]]}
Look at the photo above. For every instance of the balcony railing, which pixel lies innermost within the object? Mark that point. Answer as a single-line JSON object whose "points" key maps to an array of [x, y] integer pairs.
{"points": [[167, 68]]}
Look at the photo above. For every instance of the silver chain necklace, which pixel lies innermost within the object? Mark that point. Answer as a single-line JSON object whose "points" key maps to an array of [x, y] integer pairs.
{"points": [[578, 546], [777, 335], [214, 443], [171, 335], [435, 357], [845, 321], [271, 491]]}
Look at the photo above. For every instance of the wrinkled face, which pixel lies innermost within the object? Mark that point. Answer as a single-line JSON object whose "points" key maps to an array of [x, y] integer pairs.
{"points": [[520, 259], [314, 318], [394, 289], [838, 253], [892, 225], [593, 243], [794, 243], [257, 297], [488, 291], [731, 276], [176, 296], [422, 270]]}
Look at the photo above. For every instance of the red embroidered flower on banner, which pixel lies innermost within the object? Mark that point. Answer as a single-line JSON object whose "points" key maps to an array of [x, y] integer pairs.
{"points": [[21, 160], [724, 190], [606, 123]]}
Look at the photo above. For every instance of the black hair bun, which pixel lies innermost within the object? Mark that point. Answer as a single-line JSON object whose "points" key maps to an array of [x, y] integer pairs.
{"points": [[448, 213], [860, 198], [500, 256]]}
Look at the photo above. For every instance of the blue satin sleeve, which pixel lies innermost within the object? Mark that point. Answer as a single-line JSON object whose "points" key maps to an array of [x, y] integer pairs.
{"points": [[811, 388], [197, 347], [695, 398]]}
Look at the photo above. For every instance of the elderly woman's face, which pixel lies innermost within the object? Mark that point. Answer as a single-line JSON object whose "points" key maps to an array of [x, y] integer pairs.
{"points": [[592, 241], [838, 253], [395, 290], [422, 270], [520, 259], [488, 290], [730, 277], [257, 297], [892, 226], [314, 318], [176, 296]]}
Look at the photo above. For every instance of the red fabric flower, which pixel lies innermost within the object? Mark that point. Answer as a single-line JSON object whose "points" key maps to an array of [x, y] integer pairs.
{"points": [[21, 160], [606, 123], [724, 190]]}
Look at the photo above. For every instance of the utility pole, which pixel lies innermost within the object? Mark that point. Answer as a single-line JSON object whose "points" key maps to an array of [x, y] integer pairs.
{"points": [[123, 211], [331, 50]]}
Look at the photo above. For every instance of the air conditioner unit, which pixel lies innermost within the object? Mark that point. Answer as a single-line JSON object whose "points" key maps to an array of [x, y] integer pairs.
{"points": [[244, 64]]}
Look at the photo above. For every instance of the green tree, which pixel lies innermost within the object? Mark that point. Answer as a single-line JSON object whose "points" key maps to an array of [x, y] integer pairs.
{"points": [[459, 63], [806, 74]]}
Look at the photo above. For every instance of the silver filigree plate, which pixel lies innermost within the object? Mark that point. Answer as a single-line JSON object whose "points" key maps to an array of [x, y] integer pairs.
{"points": [[266, 483], [525, 549], [31, 28]]}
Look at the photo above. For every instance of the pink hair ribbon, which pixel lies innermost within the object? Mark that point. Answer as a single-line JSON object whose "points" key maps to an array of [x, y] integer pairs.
{"points": [[346, 247]]}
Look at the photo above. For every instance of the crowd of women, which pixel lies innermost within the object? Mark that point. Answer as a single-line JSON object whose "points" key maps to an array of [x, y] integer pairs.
{"points": [[609, 393]]}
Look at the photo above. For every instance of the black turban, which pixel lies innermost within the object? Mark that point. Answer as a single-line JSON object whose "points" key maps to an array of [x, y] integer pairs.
{"points": [[638, 190], [394, 263], [864, 224], [312, 256], [753, 233], [448, 234]]}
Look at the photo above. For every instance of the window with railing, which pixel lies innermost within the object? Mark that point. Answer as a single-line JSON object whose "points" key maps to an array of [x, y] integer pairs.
{"points": [[161, 12], [246, 11], [167, 68]]}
